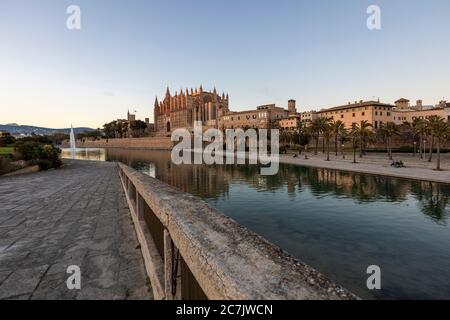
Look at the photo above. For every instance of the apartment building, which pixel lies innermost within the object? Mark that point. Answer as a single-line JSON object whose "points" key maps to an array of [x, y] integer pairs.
{"points": [[374, 112], [260, 118]]}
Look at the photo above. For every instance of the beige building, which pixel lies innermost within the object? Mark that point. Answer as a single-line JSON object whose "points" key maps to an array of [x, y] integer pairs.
{"points": [[403, 112], [400, 116], [290, 123], [374, 112], [308, 116], [261, 118]]}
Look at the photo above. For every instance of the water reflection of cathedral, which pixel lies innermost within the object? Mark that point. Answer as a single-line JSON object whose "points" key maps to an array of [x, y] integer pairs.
{"points": [[212, 182]]}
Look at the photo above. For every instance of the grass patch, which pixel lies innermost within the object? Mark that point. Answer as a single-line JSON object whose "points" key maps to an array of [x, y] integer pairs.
{"points": [[6, 150]]}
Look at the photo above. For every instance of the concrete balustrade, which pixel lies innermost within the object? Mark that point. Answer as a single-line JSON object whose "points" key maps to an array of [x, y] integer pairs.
{"points": [[193, 251]]}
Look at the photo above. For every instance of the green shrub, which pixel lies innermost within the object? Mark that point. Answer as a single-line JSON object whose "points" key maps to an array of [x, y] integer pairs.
{"points": [[51, 153], [35, 151], [44, 164], [6, 141], [5, 165], [29, 150]]}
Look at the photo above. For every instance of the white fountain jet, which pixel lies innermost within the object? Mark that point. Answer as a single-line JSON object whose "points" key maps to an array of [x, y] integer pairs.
{"points": [[73, 147]]}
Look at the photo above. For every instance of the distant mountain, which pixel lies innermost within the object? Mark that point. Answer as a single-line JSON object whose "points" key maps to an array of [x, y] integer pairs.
{"points": [[16, 129]]}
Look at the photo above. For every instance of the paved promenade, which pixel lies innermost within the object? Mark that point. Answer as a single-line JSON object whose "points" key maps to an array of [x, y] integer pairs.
{"points": [[378, 164], [73, 216]]}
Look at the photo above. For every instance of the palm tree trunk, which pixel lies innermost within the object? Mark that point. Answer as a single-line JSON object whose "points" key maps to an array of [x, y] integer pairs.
{"points": [[421, 145], [317, 145], [328, 149], [390, 148], [430, 157], [323, 145], [336, 144], [354, 153], [364, 146], [360, 147], [387, 148], [438, 164]]}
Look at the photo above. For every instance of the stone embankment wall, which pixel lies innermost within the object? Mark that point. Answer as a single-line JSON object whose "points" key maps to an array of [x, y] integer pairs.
{"points": [[162, 143]]}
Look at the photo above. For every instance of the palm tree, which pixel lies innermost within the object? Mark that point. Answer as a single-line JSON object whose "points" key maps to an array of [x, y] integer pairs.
{"points": [[389, 130], [407, 134], [431, 123], [365, 131], [440, 130], [355, 134], [327, 133], [418, 128], [302, 135], [343, 138], [316, 130], [338, 130]]}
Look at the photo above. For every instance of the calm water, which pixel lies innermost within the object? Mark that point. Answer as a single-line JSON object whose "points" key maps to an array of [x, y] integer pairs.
{"points": [[338, 222]]}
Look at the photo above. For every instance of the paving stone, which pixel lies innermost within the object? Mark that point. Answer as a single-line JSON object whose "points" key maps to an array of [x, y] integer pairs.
{"points": [[22, 281], [71, 216]]}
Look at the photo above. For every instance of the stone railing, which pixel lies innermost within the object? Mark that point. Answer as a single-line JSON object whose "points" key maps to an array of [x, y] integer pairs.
{"points": [[192, 251]]}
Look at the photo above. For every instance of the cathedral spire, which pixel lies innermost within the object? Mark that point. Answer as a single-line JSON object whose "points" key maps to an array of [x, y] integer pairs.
{"points": [[167, 92], [156, 102]]}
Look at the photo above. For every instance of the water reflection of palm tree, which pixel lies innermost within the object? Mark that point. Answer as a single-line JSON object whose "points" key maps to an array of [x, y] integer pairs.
{"points": [[433, 198]]}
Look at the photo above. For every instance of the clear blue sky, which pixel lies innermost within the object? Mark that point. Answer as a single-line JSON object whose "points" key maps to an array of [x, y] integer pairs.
{"points": [[317, 52]]}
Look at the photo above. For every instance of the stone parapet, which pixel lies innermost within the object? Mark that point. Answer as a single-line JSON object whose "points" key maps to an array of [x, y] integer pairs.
{"points": [[224, 259]]}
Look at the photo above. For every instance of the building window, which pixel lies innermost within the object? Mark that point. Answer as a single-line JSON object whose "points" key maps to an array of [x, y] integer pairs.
{"points": [[381, 113], [342, 116], [376, 113], [353, 114], [376, 124], [388, 114], [363, 114]]}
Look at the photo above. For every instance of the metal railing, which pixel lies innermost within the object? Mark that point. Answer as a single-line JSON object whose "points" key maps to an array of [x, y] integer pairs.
{"points": [[192, 251]]}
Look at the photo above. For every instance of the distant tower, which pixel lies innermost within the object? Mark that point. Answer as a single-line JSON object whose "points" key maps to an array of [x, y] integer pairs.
{"points": [[291, 106], [402, 103], [130, 116]]}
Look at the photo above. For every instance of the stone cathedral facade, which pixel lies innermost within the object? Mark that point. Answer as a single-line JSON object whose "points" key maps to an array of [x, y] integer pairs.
{"points": [[183, 108]]}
